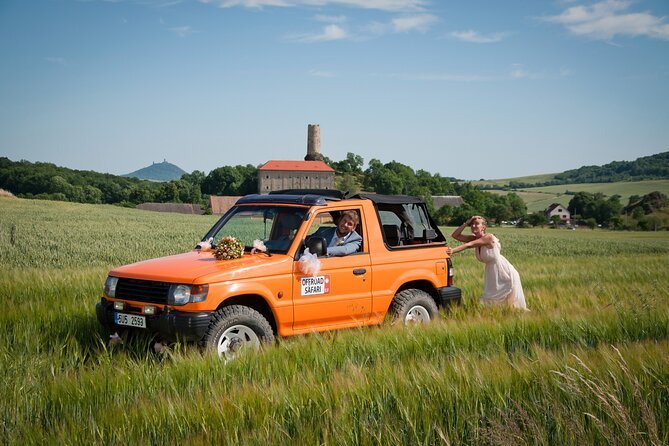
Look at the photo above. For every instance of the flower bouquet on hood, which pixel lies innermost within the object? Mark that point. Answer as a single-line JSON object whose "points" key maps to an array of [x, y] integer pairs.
{"points": [[228, 248]]}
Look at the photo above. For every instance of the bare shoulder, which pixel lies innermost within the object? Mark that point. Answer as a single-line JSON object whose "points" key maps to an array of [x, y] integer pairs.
{"points": [[488, 239]]}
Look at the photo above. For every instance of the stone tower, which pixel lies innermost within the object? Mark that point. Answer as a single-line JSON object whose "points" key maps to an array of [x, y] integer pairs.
{"points": [[314, 143]]}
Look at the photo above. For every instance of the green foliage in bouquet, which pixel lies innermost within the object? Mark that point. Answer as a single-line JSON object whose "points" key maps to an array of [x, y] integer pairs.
{"points": [[228, 248]]}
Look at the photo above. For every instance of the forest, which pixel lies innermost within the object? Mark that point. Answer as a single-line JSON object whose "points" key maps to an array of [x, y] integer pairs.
{"points": [[50, 182]]}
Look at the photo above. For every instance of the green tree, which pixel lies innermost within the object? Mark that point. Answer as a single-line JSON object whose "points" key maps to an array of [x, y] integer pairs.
{"points": [[378, 178], [536, 219], [351, 165], [222, 181], [348, 182], [92, 194], [168, 193], [499, 212], [517, 205]]}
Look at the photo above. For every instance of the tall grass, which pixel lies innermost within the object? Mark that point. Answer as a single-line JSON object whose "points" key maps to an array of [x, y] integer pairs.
{"points": [[588, 365]]}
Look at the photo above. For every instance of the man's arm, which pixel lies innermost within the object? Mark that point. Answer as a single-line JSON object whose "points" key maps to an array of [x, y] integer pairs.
{"points": [[351, 245]]}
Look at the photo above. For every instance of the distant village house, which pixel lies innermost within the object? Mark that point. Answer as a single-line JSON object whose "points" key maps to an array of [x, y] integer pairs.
{"points": [[559, 210]]}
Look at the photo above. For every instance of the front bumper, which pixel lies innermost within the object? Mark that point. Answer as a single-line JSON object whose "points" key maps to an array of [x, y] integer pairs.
{"points": [[170, 325], [450, 295]]}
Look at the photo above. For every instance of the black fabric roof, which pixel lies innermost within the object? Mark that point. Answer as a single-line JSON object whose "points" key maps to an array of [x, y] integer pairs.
{"points": [[328, 193], [387, 199], [333, 194]]}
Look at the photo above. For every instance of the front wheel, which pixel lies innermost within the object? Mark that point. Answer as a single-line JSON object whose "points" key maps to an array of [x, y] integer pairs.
{"points": [[235, 328], [413, 306]]}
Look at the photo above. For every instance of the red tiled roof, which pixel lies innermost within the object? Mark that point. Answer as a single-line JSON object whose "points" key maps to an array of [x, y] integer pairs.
{"points": [[307, 166]]}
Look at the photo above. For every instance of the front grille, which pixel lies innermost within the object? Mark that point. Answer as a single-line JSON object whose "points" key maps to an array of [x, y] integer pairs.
{"points": [[142, 290]]}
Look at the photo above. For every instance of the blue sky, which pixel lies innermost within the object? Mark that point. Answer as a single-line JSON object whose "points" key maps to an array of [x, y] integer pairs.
{"points": [[469, 89]]}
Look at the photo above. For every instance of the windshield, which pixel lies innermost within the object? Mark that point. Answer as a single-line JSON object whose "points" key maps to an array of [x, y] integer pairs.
{"points": [[274, 225]]}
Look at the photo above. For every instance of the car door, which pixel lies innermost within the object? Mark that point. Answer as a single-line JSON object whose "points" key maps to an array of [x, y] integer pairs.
{"points": [[340, 294]]}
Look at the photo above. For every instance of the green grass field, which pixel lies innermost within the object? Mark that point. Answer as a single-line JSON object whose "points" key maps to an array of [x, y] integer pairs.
{"points": [[539, 198], [502, 182], [589, 364]]}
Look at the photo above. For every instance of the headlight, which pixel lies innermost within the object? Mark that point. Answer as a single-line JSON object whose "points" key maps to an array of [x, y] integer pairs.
{"points": [[183, 294], [110, 286]]}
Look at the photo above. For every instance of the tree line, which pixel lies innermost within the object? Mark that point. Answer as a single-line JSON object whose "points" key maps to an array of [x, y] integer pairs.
{"points": [[49, 182], [645, 213]]}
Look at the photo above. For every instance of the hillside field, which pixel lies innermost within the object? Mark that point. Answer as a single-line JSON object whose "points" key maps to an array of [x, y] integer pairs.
{"points": [[502, 182], [539, 198], [589, 364]]}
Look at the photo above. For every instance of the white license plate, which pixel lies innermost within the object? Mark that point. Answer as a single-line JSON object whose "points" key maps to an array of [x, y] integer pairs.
{"points": [[130, 320]]}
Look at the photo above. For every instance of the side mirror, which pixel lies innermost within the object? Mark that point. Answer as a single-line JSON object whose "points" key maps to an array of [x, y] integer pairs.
{"points": [[317, 246]]}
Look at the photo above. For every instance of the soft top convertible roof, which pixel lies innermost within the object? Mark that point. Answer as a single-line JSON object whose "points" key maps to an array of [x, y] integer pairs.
{"points": [[386, 199], [339, 195], [326, 193], [321, 196]]}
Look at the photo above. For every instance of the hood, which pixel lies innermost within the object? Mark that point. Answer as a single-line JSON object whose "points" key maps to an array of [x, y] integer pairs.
{"points": [[202, 267]]}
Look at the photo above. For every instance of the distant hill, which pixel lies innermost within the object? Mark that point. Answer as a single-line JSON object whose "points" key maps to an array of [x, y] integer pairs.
{"points": [[158, 172], [653, 167]]}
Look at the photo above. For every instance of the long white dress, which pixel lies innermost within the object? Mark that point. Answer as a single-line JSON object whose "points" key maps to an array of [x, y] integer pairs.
{"points": [[501, 280]]}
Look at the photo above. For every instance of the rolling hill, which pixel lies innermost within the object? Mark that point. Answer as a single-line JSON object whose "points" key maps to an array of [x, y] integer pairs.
{"points": [[158, 172], [624, 178], [539, 198]]}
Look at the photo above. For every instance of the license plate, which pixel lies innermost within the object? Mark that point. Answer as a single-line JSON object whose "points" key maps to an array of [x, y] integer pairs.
{"points": [[130, 320]]}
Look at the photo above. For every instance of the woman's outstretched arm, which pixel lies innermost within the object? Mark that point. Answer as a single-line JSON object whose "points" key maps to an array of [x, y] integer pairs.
{"points": [[486, 240]]}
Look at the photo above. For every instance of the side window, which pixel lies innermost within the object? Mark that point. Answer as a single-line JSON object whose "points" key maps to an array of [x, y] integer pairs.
{"points": [[406, 224], [322, 220], [326, 225]]}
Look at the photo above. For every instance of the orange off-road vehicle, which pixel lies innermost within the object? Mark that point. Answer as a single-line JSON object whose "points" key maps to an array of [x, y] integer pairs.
{"points": [[401, 272]]}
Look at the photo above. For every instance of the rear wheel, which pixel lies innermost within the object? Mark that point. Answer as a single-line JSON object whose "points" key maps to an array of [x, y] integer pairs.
{"points": [[413, 306], [235, 328]]}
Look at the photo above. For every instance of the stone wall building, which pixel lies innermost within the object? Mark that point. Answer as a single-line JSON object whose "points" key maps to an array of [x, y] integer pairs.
{"points": [[278, 175], [312, 173]]}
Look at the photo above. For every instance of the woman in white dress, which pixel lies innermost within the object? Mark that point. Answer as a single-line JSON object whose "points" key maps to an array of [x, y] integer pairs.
{"points": [[501, 280]]}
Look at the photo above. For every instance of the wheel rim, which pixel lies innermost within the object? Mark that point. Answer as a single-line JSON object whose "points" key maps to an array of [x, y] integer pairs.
{"points": [[236, 338], [417, 314]]}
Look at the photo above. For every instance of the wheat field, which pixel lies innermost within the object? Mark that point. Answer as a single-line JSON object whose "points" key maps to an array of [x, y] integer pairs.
{"points": [[589, 364]]}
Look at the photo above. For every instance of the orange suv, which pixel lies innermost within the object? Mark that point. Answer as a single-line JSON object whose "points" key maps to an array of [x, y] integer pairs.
{"points": [[400, 271]]}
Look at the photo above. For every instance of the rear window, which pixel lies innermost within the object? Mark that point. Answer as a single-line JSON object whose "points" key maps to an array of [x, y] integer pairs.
{"points": [[407, 224]]}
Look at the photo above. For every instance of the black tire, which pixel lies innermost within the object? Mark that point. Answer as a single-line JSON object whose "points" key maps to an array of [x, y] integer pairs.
{"points": [[235, 327], [413, 306]]}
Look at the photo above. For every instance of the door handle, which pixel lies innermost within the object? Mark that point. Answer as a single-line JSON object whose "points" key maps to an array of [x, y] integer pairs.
{"points": [[359, 271]]}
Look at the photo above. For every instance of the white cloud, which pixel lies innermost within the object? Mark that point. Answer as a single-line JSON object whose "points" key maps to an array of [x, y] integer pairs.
{"points": [[330, 32], [330, 18], [182, 31], [474, 37], [516, 72], [444, 77], [608, 19], [382, 5], [420, 22]]}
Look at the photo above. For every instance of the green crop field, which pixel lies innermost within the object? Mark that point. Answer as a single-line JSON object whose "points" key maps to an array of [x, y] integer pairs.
{"points": [[502, 182], [539, 198], [589, 364]]}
